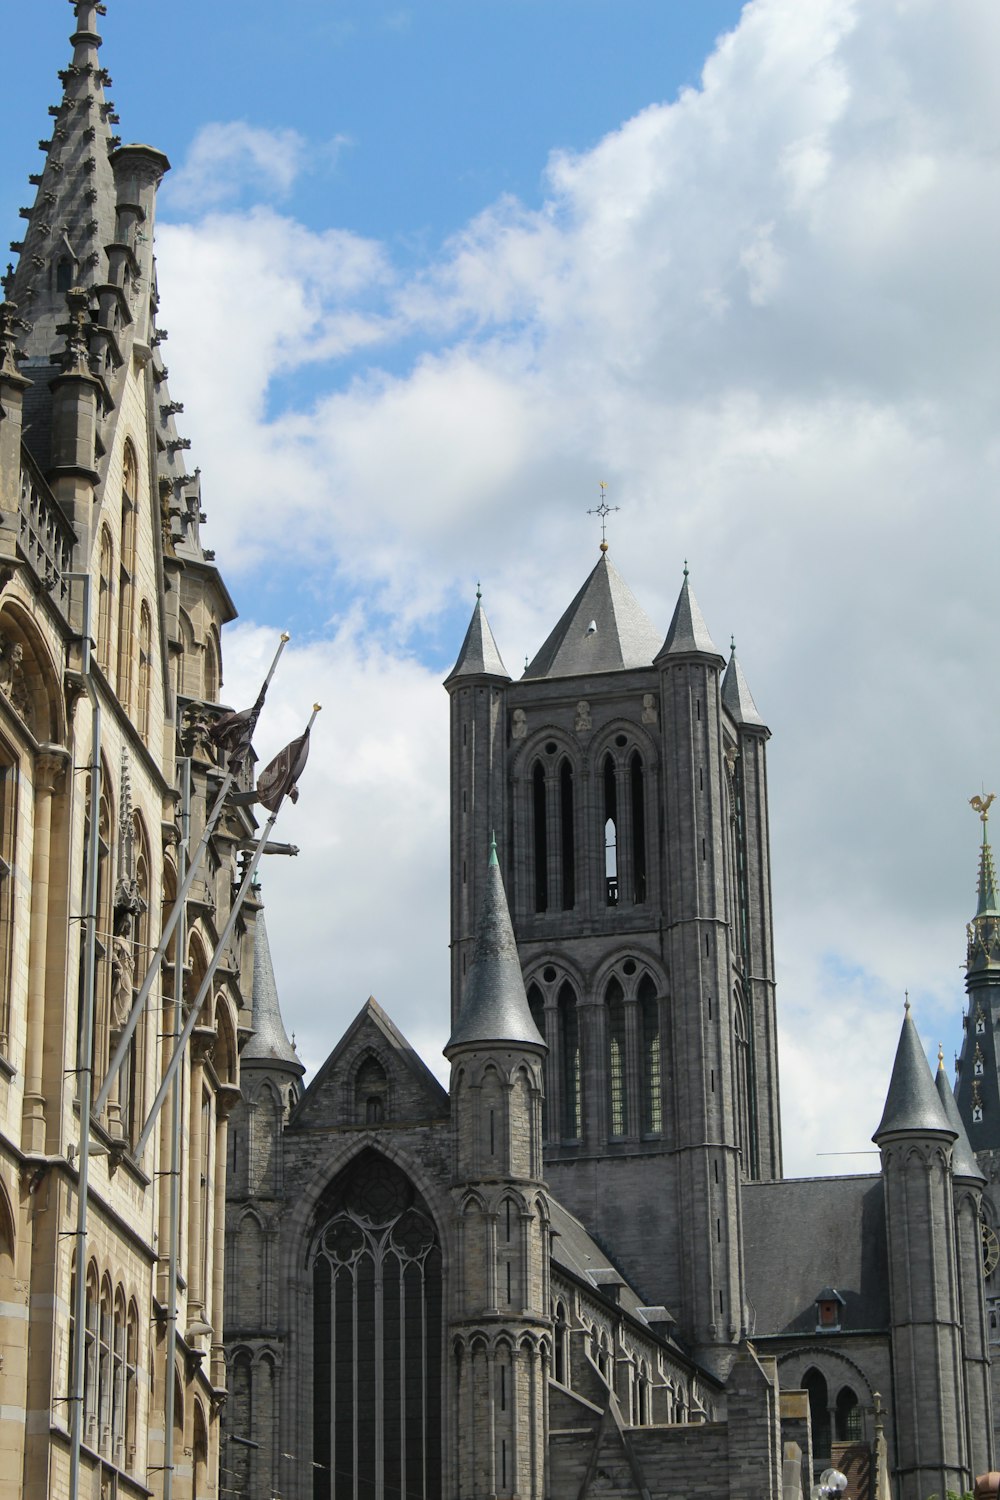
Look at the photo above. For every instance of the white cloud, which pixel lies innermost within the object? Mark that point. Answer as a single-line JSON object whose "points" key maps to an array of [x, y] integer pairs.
{"points": [[229, 158], [763, 314]]}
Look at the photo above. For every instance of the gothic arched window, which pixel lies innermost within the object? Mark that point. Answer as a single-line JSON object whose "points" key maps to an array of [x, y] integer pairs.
{"points": [[569, 1041], [377, 1330], [638, 789], [126, 577], [814, 1384], [848, 1416], [145, 670], [617, 1085], [541, 837], [371, 1093], [652, 1067], [106, 569], [742, 1047], [536, 1005], [610, 832], [567, 841]]}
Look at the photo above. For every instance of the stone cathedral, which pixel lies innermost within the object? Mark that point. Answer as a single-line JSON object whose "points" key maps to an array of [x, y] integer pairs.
{"points": [[579, 1271]]}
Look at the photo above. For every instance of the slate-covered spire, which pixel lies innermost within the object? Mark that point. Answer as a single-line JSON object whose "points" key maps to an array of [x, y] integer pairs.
{"points": [[495, 1005], [479, 656], [736, 696], [912, 1104], [688, 634], [605, 629], [73, 216], [963, 1161], [269, 1044]]}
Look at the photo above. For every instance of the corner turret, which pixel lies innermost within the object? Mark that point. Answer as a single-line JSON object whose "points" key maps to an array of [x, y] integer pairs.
{"points": [[917, 1140], [479, 656], [687, 634], [268, 1047], [496, 1057]]}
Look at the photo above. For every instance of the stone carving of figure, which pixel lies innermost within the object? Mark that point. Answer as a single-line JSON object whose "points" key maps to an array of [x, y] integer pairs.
{"points": [[122, 971], [648, 708], [582, 721], [519, 724], [12, 680]]}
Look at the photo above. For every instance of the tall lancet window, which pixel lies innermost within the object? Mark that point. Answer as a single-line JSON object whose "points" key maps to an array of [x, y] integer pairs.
{"points": [[126, 578], [569, 1039], [377, 1330], [610, 833], [652, 1067], [638, 828], [742, 1048], [536, 1005], [618, 1090], [566, 836], [541, 837]]}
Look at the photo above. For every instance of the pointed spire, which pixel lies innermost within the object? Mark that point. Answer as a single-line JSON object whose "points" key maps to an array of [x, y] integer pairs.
{"points": [[605, 629], [736, 696], [495, 1007], [912, 1104], [984, 929], [688, 634], [269, 1043], [963, 1159], [479, 656], [73, 216]]}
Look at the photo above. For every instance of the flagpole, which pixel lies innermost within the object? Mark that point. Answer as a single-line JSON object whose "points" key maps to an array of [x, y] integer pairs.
{"points": [[206, 984], [139, 1003]]}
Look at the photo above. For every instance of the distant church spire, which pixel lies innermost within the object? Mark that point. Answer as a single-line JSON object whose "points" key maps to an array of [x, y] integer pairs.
{"points": [[984, 929]]}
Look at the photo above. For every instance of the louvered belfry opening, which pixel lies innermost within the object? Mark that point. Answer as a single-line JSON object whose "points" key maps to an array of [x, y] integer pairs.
{"points": [[377, 1338]]}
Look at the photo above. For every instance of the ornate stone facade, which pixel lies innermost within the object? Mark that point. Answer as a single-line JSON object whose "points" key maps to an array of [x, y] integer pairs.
{"points": [[91, 494]]}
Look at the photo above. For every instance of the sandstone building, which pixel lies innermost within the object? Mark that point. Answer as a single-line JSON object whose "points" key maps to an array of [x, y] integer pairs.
{"points": [[97, 485], [579, 1271]]}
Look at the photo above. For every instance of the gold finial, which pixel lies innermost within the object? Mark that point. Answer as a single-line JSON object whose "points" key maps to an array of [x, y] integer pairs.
{"points": [[982, 804], [285, 636], [603, 510], [317, 707], [940, 1056]]}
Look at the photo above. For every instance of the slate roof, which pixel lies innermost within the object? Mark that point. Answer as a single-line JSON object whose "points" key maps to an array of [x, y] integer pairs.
{"points": [[479, 654], [963, 1160], [495, 1006], [801, 1235], [912, 1103], [737, 698], [269, 1043], [604, 630], [687, 634]]}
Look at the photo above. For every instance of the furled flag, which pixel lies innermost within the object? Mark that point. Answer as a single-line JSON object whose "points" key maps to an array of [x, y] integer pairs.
{"points": [[278, 779], [234, 731]]}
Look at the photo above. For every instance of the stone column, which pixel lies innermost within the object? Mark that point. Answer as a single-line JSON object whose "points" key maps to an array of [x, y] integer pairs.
{"points": [[195, 1256], [48, 772]]}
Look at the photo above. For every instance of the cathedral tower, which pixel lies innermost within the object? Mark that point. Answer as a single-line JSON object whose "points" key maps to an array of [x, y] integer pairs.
{"points": [[500, 1322], [629, 781]]}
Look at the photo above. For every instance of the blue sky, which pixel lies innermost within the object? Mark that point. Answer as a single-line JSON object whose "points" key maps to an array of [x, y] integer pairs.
{"points": [[433, 271]]}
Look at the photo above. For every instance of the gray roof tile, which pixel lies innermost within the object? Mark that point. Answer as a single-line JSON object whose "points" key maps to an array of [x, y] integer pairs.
{"points": [[912, 1103], [479, 654], [963, 1160], [269, 1043], [688, 634], [604, 629], [495, 1006], [737, 698]]}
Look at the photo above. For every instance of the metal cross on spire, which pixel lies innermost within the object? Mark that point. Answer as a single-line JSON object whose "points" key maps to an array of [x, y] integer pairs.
{"points": [[603, 510]]}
